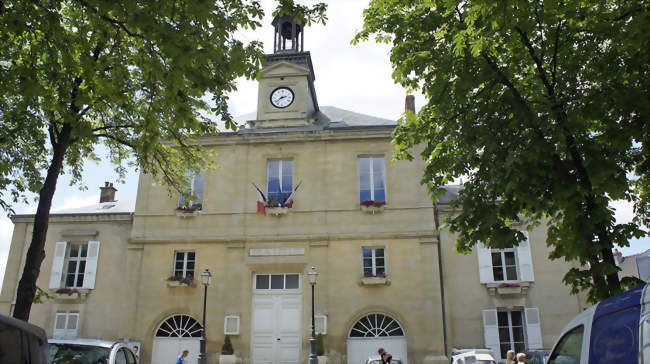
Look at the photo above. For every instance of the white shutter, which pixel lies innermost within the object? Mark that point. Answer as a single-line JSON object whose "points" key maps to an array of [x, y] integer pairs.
{"points": [[525, 260], [60, 325], [491, 332], [91, 265], [57, 265], [72, 326], [533, 328], [484, 264]]}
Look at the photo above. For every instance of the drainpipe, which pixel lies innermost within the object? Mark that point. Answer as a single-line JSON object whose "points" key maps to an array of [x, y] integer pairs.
{"points": [[442, 281]]}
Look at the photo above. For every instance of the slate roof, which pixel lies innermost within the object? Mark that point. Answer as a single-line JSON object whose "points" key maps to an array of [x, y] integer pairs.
{"points": [[628, 264], [113, 207]]}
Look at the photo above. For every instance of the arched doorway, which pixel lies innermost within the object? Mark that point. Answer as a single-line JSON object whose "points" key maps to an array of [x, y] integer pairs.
{"points": [[175, 334], [374, 331]]}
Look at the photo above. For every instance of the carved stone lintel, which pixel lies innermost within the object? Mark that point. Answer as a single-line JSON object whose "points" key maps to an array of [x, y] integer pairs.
{"points": [[521, 289]]}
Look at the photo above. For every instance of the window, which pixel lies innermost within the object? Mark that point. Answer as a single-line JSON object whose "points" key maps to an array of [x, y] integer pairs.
{"points": [[193, 197], [180, 326], [184, 264], [372, 184], [76, 265], [504, 264], [376, 325], [65, 325], [277, 281], [511, 331], [280, 181], [231, 325], [510, 264], [569, 348], [374, 262]]}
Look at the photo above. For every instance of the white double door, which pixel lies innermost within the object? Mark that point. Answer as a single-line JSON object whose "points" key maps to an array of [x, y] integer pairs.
{"points": [[276, 330]]}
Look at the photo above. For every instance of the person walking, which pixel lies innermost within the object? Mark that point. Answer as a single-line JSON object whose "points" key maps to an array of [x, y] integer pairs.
{"points": [[385, 357], [181, 358]]}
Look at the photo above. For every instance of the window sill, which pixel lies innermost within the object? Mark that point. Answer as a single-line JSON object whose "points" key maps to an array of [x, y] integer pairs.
{"points": [[175, 284], [185, 214], [372, 209], [277, 211], [75, 296], [372, 281], [498, 289]]}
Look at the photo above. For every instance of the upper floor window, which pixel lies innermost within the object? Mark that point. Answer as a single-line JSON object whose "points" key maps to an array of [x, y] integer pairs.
{"points": [[193, 198], [279, 181], [277, 281], [184, 264], [504, 264], [74, 265], [374, 262], [511, 264], [372, 179]]}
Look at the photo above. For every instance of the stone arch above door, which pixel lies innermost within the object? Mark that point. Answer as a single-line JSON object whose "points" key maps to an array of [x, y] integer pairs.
{"points": [[376, 324]]}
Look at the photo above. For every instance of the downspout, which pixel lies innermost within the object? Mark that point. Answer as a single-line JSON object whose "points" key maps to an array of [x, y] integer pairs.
{"points": [[442, 281]]}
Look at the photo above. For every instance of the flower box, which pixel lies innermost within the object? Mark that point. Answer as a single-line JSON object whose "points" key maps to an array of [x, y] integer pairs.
{"points": [[69, 294], [374, 280], [508, 288], [277, 210], [177, 281], [189, 210], [372, 207]]}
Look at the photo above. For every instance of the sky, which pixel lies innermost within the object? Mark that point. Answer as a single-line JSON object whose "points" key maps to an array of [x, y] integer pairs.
{"points": [[351, 77]]}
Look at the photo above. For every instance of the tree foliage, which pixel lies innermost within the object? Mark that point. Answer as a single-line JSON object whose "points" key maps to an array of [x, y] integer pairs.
{"points": [[301, 13], [131, 75], [542, 106]]}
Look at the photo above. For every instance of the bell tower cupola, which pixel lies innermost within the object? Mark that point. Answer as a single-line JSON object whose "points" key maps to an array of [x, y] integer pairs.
{"points": [[286, 97], [289, 36]]}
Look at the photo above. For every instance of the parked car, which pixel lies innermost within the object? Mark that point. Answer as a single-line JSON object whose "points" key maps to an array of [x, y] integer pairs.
{"points": [[615, 330], [22, 343], [472, 356], [537, 356], [89, 351], [377, 360]]}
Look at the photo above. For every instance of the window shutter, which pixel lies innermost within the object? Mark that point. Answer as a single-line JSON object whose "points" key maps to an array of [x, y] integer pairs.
{"points": [[533, 328], [91, 265], [491, 332], [484, 264], [59, 325], [57, 265], [73, 323], [525, 260]]}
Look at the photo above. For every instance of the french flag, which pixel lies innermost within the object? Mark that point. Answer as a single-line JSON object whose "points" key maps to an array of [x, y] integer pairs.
{"points": [[261, 201], [289, 201]]}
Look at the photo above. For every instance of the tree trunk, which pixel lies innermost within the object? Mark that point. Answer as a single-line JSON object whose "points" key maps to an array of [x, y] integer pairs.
{"points": [[36, 253]]}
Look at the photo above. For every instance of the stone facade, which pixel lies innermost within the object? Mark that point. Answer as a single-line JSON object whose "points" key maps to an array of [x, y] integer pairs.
{"points": [[326, 227]]}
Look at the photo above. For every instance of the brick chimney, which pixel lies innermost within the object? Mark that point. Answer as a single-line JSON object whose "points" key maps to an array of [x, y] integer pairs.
{"points": [[409, 103], [108, 193]]}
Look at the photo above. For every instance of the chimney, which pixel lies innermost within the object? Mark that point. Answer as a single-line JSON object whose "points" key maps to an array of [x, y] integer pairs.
{"points": [[409, 103], [108, 193]]}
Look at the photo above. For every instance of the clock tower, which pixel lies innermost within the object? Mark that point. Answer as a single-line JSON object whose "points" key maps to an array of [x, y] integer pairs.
{"points": [[286, 96]]}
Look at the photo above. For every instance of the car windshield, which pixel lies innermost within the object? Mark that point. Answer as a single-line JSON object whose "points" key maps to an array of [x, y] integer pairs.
{"points": [[78, 354]]}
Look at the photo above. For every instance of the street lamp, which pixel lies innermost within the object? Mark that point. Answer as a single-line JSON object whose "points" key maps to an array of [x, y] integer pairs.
{"points": [[205, 279], [313, 276]]}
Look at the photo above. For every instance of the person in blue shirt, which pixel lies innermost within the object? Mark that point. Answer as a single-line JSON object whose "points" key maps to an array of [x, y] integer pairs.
{"points": [[181, 358]]}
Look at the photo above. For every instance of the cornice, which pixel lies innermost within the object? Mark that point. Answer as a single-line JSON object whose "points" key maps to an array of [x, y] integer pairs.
{"points": [[317, 239], [89, 217], [298, 136]]}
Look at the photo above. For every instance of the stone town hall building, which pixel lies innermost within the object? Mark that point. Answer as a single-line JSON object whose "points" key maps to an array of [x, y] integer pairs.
{"points": [[387, 277]]}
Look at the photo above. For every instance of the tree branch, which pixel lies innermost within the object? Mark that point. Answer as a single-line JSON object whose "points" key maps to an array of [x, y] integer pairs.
{"points": [[108, 136], [114, 127], [538, 62], [557, 45]]}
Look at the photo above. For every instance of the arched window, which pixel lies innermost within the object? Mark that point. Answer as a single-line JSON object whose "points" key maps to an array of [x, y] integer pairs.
{"points": [[179, 326], [376, 325]]}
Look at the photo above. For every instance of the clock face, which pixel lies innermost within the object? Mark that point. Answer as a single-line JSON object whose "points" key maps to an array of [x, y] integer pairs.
{"points": [[281, 97]]}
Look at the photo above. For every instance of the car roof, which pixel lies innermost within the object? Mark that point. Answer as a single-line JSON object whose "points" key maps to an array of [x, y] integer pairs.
{"points": [[620, 302], [88, 342], [377, 357]]}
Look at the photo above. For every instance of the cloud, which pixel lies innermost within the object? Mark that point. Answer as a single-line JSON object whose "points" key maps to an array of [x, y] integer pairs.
{"points": [[74, 201]]}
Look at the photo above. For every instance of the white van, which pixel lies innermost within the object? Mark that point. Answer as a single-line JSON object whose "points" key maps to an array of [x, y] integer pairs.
{"points": [[616, 331]]}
